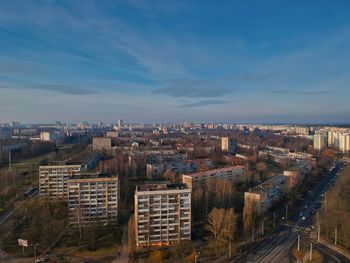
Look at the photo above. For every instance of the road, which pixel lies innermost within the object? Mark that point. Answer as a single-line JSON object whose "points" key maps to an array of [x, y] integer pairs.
{"points": [[8, 213], [276, 246]]}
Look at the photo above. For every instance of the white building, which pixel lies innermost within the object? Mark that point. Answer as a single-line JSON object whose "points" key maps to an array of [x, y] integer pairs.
{"points": [[162, 214], [320, 141], [344, 142], [52, 136], [93, 199]]}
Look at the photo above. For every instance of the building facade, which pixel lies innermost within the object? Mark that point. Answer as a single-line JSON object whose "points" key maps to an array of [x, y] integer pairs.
{"points": [[264, 195], [228, 145], [53, 180], [234, 174], [162, 214], [101, 143], [320, 141], [93, 199]]}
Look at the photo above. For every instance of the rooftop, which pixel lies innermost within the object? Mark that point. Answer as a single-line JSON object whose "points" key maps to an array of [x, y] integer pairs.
{"points": [[93, 177], [218, 170], [159, 186]]}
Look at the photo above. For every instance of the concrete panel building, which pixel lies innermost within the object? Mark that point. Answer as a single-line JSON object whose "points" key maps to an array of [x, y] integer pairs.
{"points": [[320, 141], [162, 214], [267, 193], [344, 142], [53, 180], [232, 173], [228, 145], [93, 198]]}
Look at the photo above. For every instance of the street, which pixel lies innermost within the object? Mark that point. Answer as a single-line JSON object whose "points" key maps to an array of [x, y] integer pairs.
{"points": [[276, 246]]}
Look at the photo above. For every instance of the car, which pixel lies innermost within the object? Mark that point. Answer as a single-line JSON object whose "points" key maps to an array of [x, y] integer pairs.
{"points": [[42, 259]]}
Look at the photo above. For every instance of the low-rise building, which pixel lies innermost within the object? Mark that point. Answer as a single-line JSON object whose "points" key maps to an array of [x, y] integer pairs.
{"points": [[162, 214], [101, 143], [155, 170], [93, 198], [53, 136], [232, 173]]}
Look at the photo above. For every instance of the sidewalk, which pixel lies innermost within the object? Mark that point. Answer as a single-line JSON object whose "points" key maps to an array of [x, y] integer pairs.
{"points": [[335, 248]]}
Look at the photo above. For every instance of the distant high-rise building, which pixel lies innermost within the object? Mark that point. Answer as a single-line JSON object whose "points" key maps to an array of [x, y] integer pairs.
{"points": [[228, 145], [162, 214], [330, 138], [120, 124], [5, 134], [302, 130], [344, 142], [320, 141]]}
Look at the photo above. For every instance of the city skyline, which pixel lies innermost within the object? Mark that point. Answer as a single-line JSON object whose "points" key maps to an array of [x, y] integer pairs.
{"points": [[172, 61]]}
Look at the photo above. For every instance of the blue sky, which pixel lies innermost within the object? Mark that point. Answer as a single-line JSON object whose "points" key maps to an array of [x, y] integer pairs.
{"points": [[162, 61]]}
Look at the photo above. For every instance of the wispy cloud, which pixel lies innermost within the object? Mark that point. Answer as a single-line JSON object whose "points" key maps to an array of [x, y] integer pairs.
{"points": [[304, 92], [203, 103], [64, 89]]}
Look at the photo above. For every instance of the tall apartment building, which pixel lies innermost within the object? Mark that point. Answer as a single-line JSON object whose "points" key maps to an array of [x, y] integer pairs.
{"points": [[232, 173], [344, 142], [331, 138], [320, 141], [302, 130], [228, 145], [93, 198], [162, 214], [53, 180], [5, 134]]}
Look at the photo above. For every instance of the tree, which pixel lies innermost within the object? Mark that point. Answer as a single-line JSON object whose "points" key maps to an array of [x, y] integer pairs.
{"points": [[170, 175], [230, 227], [131, 236], [251, 215], [222, 224]]}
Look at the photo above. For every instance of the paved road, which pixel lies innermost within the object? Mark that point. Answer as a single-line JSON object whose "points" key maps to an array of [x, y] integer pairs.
{"points": [[276, 246]]}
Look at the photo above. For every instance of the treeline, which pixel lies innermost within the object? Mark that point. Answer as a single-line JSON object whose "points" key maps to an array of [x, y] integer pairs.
{"points": [[335, 218], [37, 221], [32, 149]]}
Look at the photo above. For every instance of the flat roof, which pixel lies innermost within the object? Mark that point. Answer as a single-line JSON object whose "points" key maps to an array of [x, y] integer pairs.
{"points": [[93, 177], [159, 186], [229, 168]]}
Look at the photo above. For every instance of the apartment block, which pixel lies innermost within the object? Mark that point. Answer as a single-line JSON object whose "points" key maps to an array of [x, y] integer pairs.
{"points": [[162, 214], [320, 141], [344, 142], [264, 195], [155, 170], [232, 173], [228, 145], [93, 198], [53, 180]]}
